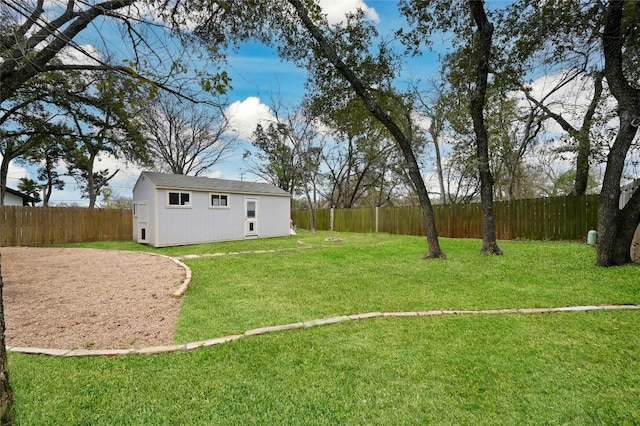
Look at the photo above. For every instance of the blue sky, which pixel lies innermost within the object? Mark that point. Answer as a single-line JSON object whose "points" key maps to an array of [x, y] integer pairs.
{"points": [[258, 75]]}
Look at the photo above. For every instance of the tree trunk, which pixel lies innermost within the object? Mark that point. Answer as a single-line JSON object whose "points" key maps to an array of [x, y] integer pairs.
{"points": [[485, 33], [312, 210], [616, 226], [363, 92], [91, 191], [46, 194], [312, 219], [584, 140], [6, 394], [4, 171], [582, 166], [435, 135]]}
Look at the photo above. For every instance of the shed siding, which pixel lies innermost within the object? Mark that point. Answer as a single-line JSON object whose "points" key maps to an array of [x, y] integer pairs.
{"points": [[199, 222], [272, 222], [12, 200]]}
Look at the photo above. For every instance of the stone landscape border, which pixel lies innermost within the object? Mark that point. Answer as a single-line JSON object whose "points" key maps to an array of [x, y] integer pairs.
{"points": [[303, 325], [187, 279]]}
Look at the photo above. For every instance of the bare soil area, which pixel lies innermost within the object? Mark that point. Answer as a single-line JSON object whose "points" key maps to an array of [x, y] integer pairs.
{"points": [[67, 298]]}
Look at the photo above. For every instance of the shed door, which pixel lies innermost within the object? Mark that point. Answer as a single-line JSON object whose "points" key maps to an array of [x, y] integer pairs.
{"points": [[143, 222], [250, 217]]}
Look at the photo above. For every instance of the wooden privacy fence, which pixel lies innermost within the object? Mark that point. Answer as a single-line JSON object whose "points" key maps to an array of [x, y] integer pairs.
{"points": [[37, 226], [557, 218]]}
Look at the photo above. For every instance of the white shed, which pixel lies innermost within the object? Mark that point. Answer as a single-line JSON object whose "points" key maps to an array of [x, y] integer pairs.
{"points": [[17, 198], [171, 210]]}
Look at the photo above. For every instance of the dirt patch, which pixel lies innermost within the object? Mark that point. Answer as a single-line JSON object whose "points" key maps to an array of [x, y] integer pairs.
{"points": [[67, 298]]}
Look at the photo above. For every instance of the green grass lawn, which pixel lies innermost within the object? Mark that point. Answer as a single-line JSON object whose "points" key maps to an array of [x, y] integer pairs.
{"points": [[562, 368]]}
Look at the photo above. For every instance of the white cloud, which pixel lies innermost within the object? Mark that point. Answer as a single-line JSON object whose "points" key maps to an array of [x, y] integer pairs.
{"points": [[421, 120], [571, 100], [215, 174], [245, 115], [337, 9], [83, 54]]}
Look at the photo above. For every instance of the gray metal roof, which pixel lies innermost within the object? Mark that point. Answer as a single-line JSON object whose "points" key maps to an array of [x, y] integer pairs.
{"points": [[198, 183]]}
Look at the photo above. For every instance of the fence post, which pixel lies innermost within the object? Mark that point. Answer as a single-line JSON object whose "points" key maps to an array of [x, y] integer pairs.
{"points": [[377, 208]]}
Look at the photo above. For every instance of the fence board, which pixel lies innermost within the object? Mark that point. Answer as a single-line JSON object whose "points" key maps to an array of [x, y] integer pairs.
{"points": [[37, 226]]}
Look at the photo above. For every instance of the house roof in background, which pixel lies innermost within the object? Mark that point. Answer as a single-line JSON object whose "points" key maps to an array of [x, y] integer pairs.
{"points": [[198, 183], [22, 195]]}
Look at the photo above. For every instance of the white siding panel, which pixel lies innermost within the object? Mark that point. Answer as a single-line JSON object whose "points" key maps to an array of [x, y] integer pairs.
{"points": [[173, 223], [228, 224], [12, 200], [275, 215], [199, 223]]}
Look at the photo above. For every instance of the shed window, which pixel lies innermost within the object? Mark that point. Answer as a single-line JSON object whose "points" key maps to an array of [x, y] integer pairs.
{"points": [[219, 200], [179, 198]]}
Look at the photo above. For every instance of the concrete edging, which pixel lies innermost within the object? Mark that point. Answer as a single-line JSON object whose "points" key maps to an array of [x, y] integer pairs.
{"points": [[186, 347]]}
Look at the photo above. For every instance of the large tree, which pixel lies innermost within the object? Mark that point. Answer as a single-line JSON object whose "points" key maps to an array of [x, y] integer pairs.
{"points": [[288, 153], [104, 123], [185, 137], [477, 49], [621, 46], [274, 158], [329, 53], [41, 59], [364, 165], [484, 37], [30, 119], [23, 39], [46, 157], [563, 39], [302, 34], [591, 40]]}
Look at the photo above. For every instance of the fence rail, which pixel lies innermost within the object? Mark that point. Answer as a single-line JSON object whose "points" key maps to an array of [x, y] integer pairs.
{"points": [[37, 226], [557, 218]]}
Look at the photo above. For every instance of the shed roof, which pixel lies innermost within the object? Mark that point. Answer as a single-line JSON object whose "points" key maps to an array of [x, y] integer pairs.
{"points": [[199, 183]]}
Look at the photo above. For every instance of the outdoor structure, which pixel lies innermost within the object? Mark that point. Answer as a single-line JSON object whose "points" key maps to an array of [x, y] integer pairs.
{"points": [[17, 198], [170, 210]]}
